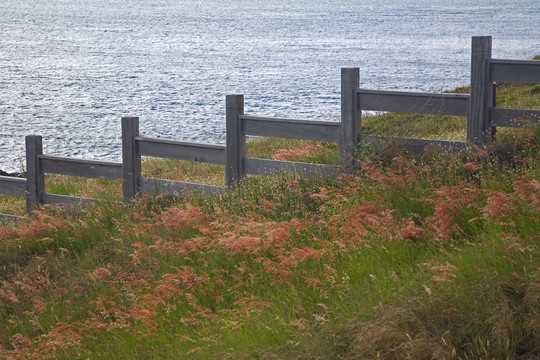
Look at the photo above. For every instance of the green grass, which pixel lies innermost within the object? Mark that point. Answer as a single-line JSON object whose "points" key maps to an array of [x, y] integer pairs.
{"points": [[412, 257]]}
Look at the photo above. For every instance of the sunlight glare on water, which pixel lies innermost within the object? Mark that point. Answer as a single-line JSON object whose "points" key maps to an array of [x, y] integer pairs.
{"points": [[70, 69]]}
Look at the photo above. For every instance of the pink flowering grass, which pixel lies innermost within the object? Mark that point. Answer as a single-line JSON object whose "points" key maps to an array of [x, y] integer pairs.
{"points": [[409, 256]]}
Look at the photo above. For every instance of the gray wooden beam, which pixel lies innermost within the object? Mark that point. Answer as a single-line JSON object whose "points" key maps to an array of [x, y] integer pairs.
{"points": [[351, 127], [176, 188], [79, 167], [131, 160], [35, 179], [514, 117], [479, 130], [69, 203], [414, 102], [12, 186], [277, 167], [290, 128], [414, 145], [9, 218], [181, 150], [236, 140], [515, 71]]}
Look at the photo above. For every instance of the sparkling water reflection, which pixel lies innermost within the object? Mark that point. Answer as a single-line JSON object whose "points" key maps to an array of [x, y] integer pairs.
{"points": [[69, 69]]}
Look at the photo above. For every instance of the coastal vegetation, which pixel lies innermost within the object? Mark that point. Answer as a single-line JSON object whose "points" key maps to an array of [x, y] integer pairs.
{"points": [[418, 257]]}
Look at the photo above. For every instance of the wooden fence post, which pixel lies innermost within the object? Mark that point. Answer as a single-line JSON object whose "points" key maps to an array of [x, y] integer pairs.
{"points": [[479, 130], [236, 140], [35, 179], [131, 160], [350, 129]]}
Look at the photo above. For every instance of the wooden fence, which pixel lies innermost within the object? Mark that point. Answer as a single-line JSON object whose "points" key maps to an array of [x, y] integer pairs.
{"points": [[135, 146], [415, 103], [479, 107], [484, 116]]}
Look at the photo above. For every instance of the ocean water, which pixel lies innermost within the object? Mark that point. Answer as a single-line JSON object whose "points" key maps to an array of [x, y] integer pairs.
{"points": [[70, 69]]}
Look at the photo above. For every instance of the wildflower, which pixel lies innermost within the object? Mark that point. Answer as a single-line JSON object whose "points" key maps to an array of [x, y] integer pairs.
{"points": [[481, 154], [144, 315], [9, 295], [242, 245], [143, 251], [323, 193], [35, 228], [447, 272], [409, 230], [38, 305], [194, 351], [278, 237], [100, 274], [174, 219], [500, 205], [471, 166], [450, 310], [303, 149], [7, 233], [309, 253], [35, 284]]}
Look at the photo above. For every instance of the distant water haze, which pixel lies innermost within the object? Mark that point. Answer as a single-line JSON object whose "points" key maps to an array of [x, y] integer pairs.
{"points": [[70, 69]]}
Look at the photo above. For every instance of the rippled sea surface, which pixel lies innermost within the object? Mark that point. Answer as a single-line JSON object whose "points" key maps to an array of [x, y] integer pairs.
{"points": [[70, 69]]}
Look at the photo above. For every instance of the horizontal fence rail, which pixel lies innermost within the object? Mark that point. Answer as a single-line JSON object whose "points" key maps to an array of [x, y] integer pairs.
{"points": [[6, 218], [413, 102], [416, 146], [96, 169], [276, 167], [176, 188], [514, 117], [515, 71], [71, 203], [290, 128], [181, 150], [12, 186]]}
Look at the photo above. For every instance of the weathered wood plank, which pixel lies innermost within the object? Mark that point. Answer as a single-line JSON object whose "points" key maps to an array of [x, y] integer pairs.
{"points": [[479, 130], [276, 167], [80, 167], [291, 128], [9, 218], [131, 160], [236, 140], [515, 71], [351, 125], [416, 146], [12, 186], [69, 203], [35, 180], [176, 188], [514, 117], [181, 150], [413, 102]]}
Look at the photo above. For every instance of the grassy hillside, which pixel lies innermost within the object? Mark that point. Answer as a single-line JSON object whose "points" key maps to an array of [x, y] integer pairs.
{"points": [[411, 257]]}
